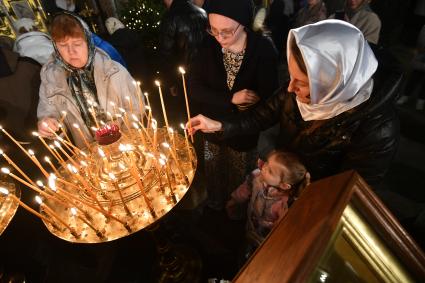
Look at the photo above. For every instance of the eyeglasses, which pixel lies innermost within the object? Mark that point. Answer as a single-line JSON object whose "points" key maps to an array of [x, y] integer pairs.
{"points": [[224, 34]]}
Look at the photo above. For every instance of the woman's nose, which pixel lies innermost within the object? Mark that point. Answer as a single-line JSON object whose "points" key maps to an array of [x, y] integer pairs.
{"points": [[291, 87]]}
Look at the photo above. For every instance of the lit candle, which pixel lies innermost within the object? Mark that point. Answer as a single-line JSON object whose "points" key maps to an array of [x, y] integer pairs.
{"points": [[171, 134], [47, 159], [93, 112], [164, 164], [162, 103], [53, 214], [57, 144], [149, 104], [189, 152], [142, 137], [139, 96], [16, 167], [117, 188], [157, 169], [129, 103], [82, 135], [5, 192], [29, 185], [36, 162], [56, 154], [155, 134], [182, 71]]}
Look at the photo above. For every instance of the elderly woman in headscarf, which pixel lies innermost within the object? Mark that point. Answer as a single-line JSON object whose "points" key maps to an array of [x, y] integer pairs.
{"points": [[312, 12], [81, 80], [334, 114]]}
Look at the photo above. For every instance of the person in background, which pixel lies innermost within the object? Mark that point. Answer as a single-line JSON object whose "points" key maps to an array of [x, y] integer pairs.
{"points": [[234, 70], [81, 80], [358, 13], [336, 113], [268, 192], [31, 42], [129, 45], [181, 33], [314, 11]]}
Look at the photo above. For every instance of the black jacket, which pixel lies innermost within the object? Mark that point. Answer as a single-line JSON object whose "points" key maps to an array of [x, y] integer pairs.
{"points": [[183, 27], [364, 138], [208, 81]]}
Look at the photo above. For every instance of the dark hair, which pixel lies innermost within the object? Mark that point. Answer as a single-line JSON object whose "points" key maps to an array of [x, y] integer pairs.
{"points": [[296, 52], [64, 25]]}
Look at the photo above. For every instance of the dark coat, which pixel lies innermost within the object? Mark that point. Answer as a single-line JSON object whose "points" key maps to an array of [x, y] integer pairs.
{"points": [[208, 84], [129, 45], [183, 27], [364, 138]]}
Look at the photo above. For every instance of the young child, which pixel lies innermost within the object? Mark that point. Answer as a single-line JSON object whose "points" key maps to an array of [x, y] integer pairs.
{"points": [[270, 190]]}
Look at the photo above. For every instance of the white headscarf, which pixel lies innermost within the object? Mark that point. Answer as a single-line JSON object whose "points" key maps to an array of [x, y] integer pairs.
{"points": [[340, 65]]}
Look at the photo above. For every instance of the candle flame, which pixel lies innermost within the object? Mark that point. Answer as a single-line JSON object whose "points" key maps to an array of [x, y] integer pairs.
{"points": [[148, 107], [38, 199], [166, 145], [83, 153], [150, 154], [4, 191], [5, 170], [127, 97], [101, 153], [57, 144], [182, 126], [121, 109], [83, 163], [39, 183], [182, 71], [162, 161], [135, 117], [112, 103], [64, 113], [93, 129], [162, 155], [1, 152], [52, 182], [171, 130], [35, 134], [157, 83], [121, 166], [112, 176], [75, 126], [47, 159], [73, 211], [31, 152], [135, 125]]}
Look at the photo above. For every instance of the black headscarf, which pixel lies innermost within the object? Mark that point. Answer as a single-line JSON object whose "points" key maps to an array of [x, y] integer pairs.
{"points": [[241, 11]]}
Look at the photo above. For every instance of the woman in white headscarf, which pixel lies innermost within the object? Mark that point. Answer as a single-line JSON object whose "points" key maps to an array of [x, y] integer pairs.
{"points": [[333, 114]]}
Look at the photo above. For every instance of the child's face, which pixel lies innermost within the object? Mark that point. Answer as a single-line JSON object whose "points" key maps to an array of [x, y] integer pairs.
{"points": [[271, 173]]}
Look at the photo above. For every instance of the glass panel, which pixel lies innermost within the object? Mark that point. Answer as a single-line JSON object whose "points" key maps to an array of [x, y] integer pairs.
{"points": [[356, 254]]}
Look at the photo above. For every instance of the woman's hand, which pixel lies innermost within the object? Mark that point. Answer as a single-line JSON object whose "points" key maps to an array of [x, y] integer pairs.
{"points": [[204, 124], [245, 97], [47, 127]]}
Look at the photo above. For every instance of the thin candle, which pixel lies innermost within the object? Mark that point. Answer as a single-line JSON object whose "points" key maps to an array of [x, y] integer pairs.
{"points": [[74, 212], [47, 159], [65, 153], [117, 187], [93, 112], [36, 162], [182, 71], [82, 135], [155, 134], [157, 169], [189, 152], [45, 144], [16, 167], [33, 187], [53, 214], [167, 146], [164, 164], [5, 192], [164, 112], [130, 103]]}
